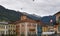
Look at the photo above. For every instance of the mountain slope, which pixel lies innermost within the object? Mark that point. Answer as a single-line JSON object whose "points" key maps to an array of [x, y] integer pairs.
{"points": [[10, 15]]}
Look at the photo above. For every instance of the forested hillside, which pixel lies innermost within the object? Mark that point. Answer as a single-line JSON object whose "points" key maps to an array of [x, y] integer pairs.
{"points": [[9, 15]]}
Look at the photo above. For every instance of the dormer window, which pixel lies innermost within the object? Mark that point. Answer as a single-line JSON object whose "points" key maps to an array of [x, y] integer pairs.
{"points": [[23, 17]]}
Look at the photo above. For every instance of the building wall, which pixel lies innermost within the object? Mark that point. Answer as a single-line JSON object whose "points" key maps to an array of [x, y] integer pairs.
{"points": [[7, 29], [45, 29], [3, 29], [11, 28], [27, 27], [57, 26], [57, 16]]}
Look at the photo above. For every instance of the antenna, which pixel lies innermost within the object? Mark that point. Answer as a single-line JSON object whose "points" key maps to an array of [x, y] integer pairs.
{"points": [[21, 8], [33, 0]]}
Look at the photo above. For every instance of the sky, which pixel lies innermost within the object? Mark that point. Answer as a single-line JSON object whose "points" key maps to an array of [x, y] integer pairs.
{"points": [[38, 7]]}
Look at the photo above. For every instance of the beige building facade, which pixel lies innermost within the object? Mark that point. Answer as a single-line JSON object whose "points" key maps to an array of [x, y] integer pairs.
{"points": [[27, 27]]}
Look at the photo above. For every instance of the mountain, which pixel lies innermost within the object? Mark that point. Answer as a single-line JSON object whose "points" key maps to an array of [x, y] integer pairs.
{"points": [[47, 20], [32, 16], [9, 15]]}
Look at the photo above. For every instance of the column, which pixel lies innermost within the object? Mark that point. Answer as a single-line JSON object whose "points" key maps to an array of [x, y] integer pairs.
{"points": [[25, 29], [36, 28], [5, 30], [20, 29]]}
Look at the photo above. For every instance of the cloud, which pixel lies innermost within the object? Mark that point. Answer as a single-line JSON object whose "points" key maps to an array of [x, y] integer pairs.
{"points": [[39, 7]]}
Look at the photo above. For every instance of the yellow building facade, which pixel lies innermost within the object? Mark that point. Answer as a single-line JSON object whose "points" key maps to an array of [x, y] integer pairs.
{"points": [[11, 29], [7, 29]]}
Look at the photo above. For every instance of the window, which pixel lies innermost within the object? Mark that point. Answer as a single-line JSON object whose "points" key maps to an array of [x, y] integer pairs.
{"points": [[14, 26], [7, 27], [32, 30], [32, 34], [22, 24], [22, 34], [29, 24], [34, 25], [11, 26], [2, 32], [59, 20], [18, 26], [23, 17], [6, 32], [59, 28]]}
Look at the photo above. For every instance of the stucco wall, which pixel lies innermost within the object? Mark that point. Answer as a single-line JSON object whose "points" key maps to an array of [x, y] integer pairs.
{"points": [[57, 16]]}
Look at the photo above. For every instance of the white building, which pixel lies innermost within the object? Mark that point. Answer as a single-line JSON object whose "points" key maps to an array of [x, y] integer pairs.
{"points": [[3, 28]]}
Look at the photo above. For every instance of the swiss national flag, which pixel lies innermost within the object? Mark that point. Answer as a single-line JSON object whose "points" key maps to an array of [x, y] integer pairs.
{"points": [[51, 20]]}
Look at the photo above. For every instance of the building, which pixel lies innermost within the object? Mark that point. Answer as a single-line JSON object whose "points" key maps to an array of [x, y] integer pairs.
{"points": [[32, 26], [12, 29], [48, 24], [7, 28], [57, 26], [27, 26], [3, 28]]}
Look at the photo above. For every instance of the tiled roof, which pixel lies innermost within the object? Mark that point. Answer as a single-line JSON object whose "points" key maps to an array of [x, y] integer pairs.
{"points": [[57, 13]]}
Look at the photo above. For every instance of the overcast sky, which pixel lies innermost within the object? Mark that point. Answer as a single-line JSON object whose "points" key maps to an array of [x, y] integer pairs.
{"points": [[38, 7]]}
